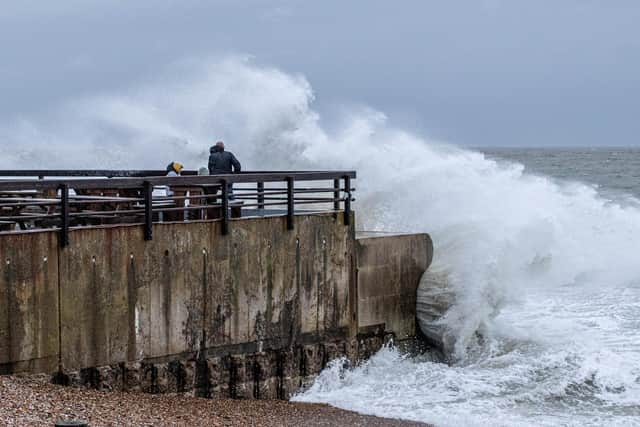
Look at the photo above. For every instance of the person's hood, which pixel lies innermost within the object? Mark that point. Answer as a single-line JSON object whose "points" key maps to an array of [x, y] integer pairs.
{"points": [[216, 149]]}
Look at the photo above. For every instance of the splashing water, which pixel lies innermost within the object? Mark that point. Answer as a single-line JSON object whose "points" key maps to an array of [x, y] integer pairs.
{"points": [[546, 270]]}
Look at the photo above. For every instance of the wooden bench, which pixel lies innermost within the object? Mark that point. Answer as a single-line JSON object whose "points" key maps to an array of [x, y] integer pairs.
{"points": [[18, 193], [100, 196], [7, 225], [193, 192], [215, 212]]}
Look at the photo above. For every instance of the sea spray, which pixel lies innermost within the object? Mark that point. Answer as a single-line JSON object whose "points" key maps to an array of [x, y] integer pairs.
{"points": [[547, 271]]}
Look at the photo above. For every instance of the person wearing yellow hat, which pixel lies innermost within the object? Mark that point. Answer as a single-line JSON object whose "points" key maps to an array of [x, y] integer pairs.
{"points": [[173, 169]]}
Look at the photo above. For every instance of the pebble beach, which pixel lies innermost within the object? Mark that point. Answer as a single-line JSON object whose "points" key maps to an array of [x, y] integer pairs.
{"points": [[33, 401]]}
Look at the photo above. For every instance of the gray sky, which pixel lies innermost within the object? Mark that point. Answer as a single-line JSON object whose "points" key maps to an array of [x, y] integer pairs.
{"points": [[480, 73]]}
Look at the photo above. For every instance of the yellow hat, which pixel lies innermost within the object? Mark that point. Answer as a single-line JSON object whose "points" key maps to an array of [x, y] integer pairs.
{"points": [[178, 167]]}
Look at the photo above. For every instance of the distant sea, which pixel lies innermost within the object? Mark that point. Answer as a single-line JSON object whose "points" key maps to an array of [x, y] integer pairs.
{"points": [[612, 170]]}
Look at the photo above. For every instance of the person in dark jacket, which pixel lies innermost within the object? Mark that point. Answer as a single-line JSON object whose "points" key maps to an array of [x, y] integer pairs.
{"points": [[223, 162]]}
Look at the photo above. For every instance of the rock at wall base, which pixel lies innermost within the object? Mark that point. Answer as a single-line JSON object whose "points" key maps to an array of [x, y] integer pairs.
{"points": [[271, 374]]}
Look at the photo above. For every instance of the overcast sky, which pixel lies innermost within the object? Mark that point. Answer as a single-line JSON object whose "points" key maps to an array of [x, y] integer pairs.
{"points": [[479, 73]]}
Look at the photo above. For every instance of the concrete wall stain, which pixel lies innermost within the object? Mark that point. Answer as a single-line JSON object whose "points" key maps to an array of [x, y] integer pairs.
{"points": [[132, 291], [28, 302]]}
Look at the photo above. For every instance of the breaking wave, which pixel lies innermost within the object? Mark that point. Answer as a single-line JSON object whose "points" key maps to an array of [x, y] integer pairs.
{"points": [[546, 271]]}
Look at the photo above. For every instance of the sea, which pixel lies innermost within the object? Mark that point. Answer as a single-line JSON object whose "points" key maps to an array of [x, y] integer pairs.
{"points": [[542, 249]]}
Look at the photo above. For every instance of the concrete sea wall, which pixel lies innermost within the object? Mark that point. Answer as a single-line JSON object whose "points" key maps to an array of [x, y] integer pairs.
{"points": [[254, 314], [389, 269]]}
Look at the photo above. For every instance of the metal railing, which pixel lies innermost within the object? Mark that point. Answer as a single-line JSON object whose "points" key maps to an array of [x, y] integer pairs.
{"points": [[145, 197], [85, 173]]}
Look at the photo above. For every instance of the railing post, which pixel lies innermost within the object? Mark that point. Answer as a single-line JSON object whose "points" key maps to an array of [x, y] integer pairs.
{"points": [[260, 195], [290, 204], [147, 190], [336, 194], [347, 200], [225, 207], [64, 215]]}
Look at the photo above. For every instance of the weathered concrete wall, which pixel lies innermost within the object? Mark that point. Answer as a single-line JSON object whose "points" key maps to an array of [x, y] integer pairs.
{"points": [[253, 314], [29, 302], [113, 309], [191, 289], [389, 270]]}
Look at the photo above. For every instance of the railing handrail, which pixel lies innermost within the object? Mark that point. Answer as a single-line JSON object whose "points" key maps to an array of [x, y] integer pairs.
{"points": [[115, 173], [107, 173], [137, 182]]}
